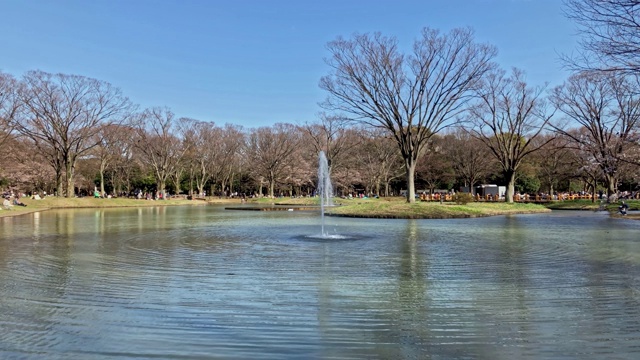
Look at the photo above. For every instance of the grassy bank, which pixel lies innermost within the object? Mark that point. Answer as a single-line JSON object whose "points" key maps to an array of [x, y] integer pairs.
{"points": [[286, 201], [573, 205], [397, 207], [589, 205], [429, 210], [394, 207], [52, 202]]}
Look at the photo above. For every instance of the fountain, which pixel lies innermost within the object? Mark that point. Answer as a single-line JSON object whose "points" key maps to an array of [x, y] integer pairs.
{"points": [[324, 190]]}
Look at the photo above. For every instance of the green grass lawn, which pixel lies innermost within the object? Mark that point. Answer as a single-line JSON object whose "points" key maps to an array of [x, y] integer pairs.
{"points": [[286, 201], [589, 205], [390, 207], [399, 208], [52, 202]]}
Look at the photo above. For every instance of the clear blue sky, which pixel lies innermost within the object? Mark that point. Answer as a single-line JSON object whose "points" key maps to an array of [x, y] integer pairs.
{"points": [[252, 62]]}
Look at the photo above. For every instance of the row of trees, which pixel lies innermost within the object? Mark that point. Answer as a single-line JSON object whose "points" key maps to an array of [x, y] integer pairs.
{"points": [[446, 87], [154, 150], [448, 79], [65, 133]]}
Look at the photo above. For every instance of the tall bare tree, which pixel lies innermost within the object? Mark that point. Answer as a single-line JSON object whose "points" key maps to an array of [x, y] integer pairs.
{"points": [[270, 151], [203, 138], [123, 164], [610, 32], [227, 162], [508, 119], [63, 114], [185, 129], [23, 165], [469, 157], [331, 135], [9, 105], [157, 144], [554, 162], [585, 169], [434, 169], [112, 143], [377, 159], [412, 96], [606, 108]]}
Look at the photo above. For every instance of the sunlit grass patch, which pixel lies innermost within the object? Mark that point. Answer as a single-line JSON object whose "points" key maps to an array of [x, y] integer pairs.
{"points": [[430, 210]]}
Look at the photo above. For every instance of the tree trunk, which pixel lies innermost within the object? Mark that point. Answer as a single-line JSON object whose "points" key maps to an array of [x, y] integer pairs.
{"points": [[411, 187], [223, 187], [511, 175], [272, 186], [177, 183], [161, 186], [59, 183], [260, 188], [199, 185], [611, 187], [101, 182], [70, 183]]}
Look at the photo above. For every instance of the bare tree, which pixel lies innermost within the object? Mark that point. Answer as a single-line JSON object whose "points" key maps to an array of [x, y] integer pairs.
{"points": [[23, 165], [470, 158], [331, 134], [378, 160], [607, 110], [203, 139], [301, 171], [610, 32], [157, 144], [227, 161], [269, 150], [9, 105], [63, 114], [124, 164], [412, 96], [185, 131], [434, 169], [112, 143], [508, 119], [586, 170], [553, 162]]}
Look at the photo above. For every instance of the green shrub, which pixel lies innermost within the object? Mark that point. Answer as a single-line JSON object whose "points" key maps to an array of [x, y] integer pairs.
{"points": [[462, 198]]}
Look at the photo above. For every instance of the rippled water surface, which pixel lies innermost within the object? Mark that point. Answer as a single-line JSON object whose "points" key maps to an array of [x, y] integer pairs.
{"points": [[202, 282]]}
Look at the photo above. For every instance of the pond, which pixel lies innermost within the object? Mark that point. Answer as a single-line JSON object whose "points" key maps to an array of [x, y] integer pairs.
{"points": [[204, 282]]}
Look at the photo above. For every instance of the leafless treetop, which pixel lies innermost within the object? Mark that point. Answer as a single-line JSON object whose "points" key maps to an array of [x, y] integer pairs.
{"points": [[610, 32]]}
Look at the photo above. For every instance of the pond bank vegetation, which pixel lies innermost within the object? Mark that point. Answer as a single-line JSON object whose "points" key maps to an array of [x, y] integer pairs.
{"points": [[390, 207]]}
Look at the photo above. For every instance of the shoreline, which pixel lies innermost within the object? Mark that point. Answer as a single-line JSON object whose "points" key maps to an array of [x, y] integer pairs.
{"points": [[427, 217], [384, 209], [53, 203]]}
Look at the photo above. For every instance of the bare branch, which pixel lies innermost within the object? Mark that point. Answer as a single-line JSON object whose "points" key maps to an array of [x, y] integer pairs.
{"points": [[412, 96]]}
